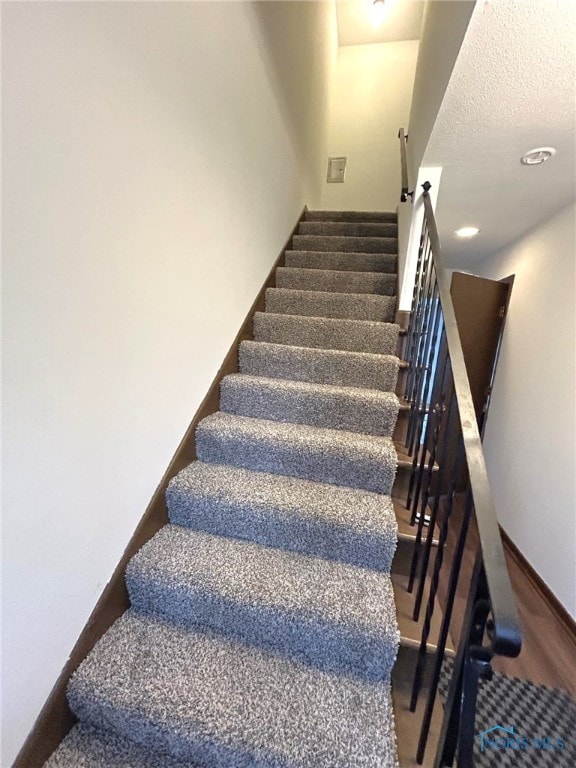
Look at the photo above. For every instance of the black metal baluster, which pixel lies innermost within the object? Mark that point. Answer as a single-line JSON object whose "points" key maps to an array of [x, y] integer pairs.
{"points": [[423, 254], [432, 523], [418, 349], [425, 396], [428, 332], [421, 357], [476, 666], [472, 661], [426, 260], [416, 476], [434, 584], [430, 352], [435, 417], [443, 637]]}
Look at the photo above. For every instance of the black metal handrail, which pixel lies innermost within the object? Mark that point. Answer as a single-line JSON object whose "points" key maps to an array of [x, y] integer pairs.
{"points": [[506, 627], [404, 165], [449, 481]]}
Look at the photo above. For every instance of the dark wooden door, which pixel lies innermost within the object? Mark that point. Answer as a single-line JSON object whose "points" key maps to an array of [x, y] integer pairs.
{"points": [[480, 306]]}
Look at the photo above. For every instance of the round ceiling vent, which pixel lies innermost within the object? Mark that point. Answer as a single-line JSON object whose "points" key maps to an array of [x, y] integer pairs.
{"points": [[538, 156]]}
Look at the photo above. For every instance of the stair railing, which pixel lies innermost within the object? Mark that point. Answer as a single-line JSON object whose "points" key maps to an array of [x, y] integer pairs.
{"points": [[404, 166], [449, 491]]}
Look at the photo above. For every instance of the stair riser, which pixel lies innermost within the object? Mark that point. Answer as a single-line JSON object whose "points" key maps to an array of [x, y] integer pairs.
{"points": [[317, 333], [401, 427], [361, 216], [321, 366], [347, 244], [401, 483], [320, 643], [338, 305], [206, 700], [329, 411], [272, 528], [402, 561], [86, 747], [153, 735], [336, 282], [344, 262], [347, 229], [353, 471]]}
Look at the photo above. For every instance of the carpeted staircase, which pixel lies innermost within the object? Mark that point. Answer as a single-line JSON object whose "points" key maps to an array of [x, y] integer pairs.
{"points": [[262, 630]]}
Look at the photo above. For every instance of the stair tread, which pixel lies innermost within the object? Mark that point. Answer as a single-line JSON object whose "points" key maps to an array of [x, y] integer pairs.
{"points": [[407, 532], [327, 613], [367, 395], [346, 261], [308, 436], [328, 366], [327, 333], [335, 407], [345, 243], [205, 697], [315, 453], [89, 747], [349, 524], [332, 321], [406, 460], [336, 281], [348, 228], [350, 306], [351, 216], [410, 630]]}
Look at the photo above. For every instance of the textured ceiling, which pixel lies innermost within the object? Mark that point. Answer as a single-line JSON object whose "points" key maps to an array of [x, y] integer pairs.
{"points": [[512, 89], [402, 21]]}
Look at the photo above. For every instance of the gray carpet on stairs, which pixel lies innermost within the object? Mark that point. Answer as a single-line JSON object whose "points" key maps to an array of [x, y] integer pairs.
{"points": [[342, 243], [350, 216], [334, 280], [351, 306], [298, 450], [347, 262], [201, 696], [325, 613], [325, 366], [320, 405], [262, 632], [89, 747], [350, 229], [326, 333], [329, 521]]}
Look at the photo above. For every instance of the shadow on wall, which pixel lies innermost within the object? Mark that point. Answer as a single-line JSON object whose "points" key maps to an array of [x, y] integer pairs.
{"points": [[300, 72]]}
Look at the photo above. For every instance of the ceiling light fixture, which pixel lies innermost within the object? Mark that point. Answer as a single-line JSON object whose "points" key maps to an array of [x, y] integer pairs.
{"points": [[538, 156], [467, 231], [378, 10]]}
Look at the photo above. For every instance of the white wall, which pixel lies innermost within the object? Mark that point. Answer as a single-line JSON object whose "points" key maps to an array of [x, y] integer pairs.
{"points": [[156, 157], [443, 28], [370, 101], [530, 435]]}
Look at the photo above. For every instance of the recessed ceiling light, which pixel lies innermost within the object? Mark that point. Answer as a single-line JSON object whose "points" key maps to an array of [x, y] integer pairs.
{"points": [[467, 231], [538, 156]]}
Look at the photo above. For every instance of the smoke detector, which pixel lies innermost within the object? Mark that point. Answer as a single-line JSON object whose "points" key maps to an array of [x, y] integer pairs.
{"points": [[538, 156]]}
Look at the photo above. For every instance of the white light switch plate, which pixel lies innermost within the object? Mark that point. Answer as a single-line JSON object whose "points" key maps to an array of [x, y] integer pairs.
{"points": [[336, 169]]}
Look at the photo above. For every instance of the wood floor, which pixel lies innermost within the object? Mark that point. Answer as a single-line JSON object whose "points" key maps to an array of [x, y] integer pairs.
{"points": [[548, 657]]}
